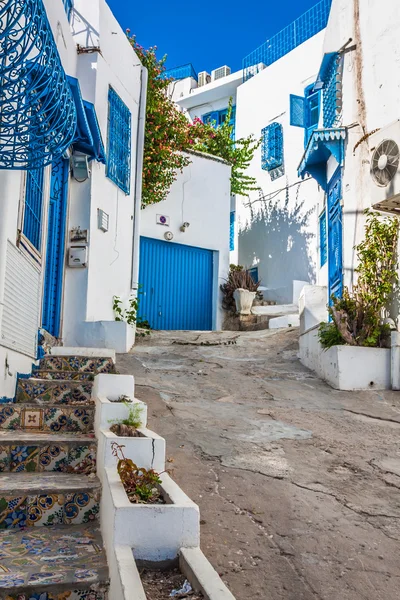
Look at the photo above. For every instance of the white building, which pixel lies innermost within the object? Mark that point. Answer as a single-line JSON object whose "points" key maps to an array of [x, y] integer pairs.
{"points": [[184, 255], [275, 227], [69, 206]]}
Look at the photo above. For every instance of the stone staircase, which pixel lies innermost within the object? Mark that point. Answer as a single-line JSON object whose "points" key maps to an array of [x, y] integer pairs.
{"points": [[50, 541]]}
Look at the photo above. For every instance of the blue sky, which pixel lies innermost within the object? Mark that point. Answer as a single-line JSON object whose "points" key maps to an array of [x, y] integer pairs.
{"points": [[209, 35]]}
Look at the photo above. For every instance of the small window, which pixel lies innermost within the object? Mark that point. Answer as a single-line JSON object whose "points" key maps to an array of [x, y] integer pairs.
{"points": [[119, 142], [272, 147], [218, 117], [323, 242], [68, 5], [32, 227], [305, 111], [232, 231]]}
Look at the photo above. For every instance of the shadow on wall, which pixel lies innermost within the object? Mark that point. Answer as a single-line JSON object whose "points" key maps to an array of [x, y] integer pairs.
{"points": [[276, 238]]}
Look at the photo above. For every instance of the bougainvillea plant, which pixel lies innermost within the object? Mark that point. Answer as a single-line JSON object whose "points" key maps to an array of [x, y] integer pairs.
{"points": [[220, 141], [166, 130], [169, 134]]}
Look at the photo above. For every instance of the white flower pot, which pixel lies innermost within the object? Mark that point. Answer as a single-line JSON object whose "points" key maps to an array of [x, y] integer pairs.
{"points": [[244, 300]]}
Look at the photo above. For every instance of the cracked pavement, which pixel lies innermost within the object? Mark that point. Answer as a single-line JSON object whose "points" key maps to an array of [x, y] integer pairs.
{"points": [[298, 484]]}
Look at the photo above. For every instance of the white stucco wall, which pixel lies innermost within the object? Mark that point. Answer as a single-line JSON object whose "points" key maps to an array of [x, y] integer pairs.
{"points": [[371, 82], [280, 239], [201, 197], [89, 292]]}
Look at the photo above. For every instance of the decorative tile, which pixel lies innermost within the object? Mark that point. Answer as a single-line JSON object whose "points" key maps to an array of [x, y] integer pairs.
{"points": [[82, 459], [82, 420], [47, 391], [46, 578], [56, 419], [32, 418], [24, 458], [10, 580], [53, 458], [10, 416], [4, 459], [45, 510], [78, 363], [12, 513], [81, 507]]}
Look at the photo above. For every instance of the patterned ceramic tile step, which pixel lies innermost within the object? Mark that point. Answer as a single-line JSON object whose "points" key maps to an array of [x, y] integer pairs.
{"points": [[86, 364], [43, 499], [33, 452], [53, 563], [64, 375], [43, 391], [65, 418]]}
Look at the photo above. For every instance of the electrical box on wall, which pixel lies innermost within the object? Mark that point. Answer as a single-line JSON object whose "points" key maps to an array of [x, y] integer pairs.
{"points": [[78, 257]]}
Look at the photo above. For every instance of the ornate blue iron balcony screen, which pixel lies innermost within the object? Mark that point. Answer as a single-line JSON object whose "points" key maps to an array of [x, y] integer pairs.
{"points": [[32, 228], [37, 111], [119, 142], [68, 5], [180, 72], [306, 26], [272, 147], [332, 92]]}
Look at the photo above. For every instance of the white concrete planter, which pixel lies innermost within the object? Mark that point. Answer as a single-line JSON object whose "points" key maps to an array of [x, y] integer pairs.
{"points": [[346, 367], [202, 576], [244, 300], [155, 532], [147, 451]]}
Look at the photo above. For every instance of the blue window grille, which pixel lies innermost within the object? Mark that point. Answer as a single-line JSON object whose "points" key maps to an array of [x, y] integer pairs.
{"points": [[119, 142], [32, 227], [332, 92], [323, 240], [180, 72], [253, 272], [38, 116], [68, 5], [232, 231], [306, 26], [272, 147]]}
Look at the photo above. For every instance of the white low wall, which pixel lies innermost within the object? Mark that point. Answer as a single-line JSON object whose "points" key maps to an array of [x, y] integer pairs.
{"points": [[346, 367], [154, 532]]}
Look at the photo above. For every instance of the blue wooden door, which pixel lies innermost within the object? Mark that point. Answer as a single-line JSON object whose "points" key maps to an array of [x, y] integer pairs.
{"points": [[335, 236], [176, 285], [53, 281]]}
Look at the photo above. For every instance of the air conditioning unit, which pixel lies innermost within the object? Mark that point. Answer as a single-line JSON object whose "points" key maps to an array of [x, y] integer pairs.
{"points": [[385, 168], [220, 73], [204, 78]]}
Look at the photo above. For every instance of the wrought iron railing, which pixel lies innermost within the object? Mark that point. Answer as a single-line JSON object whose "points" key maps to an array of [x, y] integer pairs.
{"points": [[68, 5], [180, 72], [37, 110], [306, 26]]}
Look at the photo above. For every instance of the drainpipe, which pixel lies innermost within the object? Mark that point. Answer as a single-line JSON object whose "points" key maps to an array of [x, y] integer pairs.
{"points": [[139, 178]]}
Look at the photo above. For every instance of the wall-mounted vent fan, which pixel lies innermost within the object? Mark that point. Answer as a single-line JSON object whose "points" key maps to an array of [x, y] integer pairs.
{"points": [[385, 162], [384, 167]]}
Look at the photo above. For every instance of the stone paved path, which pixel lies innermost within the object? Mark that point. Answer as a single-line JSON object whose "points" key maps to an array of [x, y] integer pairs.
{"points": [[298, 484]]}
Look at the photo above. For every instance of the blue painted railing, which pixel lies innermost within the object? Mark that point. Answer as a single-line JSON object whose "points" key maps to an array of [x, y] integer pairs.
{"points": [[37, 110], [303, 28], [68, 5], [180, 72]]}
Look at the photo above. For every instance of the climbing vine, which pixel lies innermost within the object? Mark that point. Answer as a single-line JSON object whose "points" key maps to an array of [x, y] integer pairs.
{"points": [[169, 134], [358, 317]]}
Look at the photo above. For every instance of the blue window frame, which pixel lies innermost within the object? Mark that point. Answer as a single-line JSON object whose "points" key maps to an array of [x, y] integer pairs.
{"points": [[68, 5], [272, 147], [232, 231], [253, 272], [32, 227], [119, 142], [305, 111], [323, 240], [218, 117]]}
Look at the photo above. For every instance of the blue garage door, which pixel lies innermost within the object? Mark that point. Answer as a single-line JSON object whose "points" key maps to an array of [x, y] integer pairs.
{"points": [[176, 285]]}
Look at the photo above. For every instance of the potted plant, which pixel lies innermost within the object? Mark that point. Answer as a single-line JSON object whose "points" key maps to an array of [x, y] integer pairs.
{"points": [[239, 290]]}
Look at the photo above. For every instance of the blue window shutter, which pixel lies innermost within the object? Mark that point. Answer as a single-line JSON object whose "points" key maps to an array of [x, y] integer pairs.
{"points": [[232, 231], [119, 142], [32, 228], [272, 147], [298, 111], [323, 242]]}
